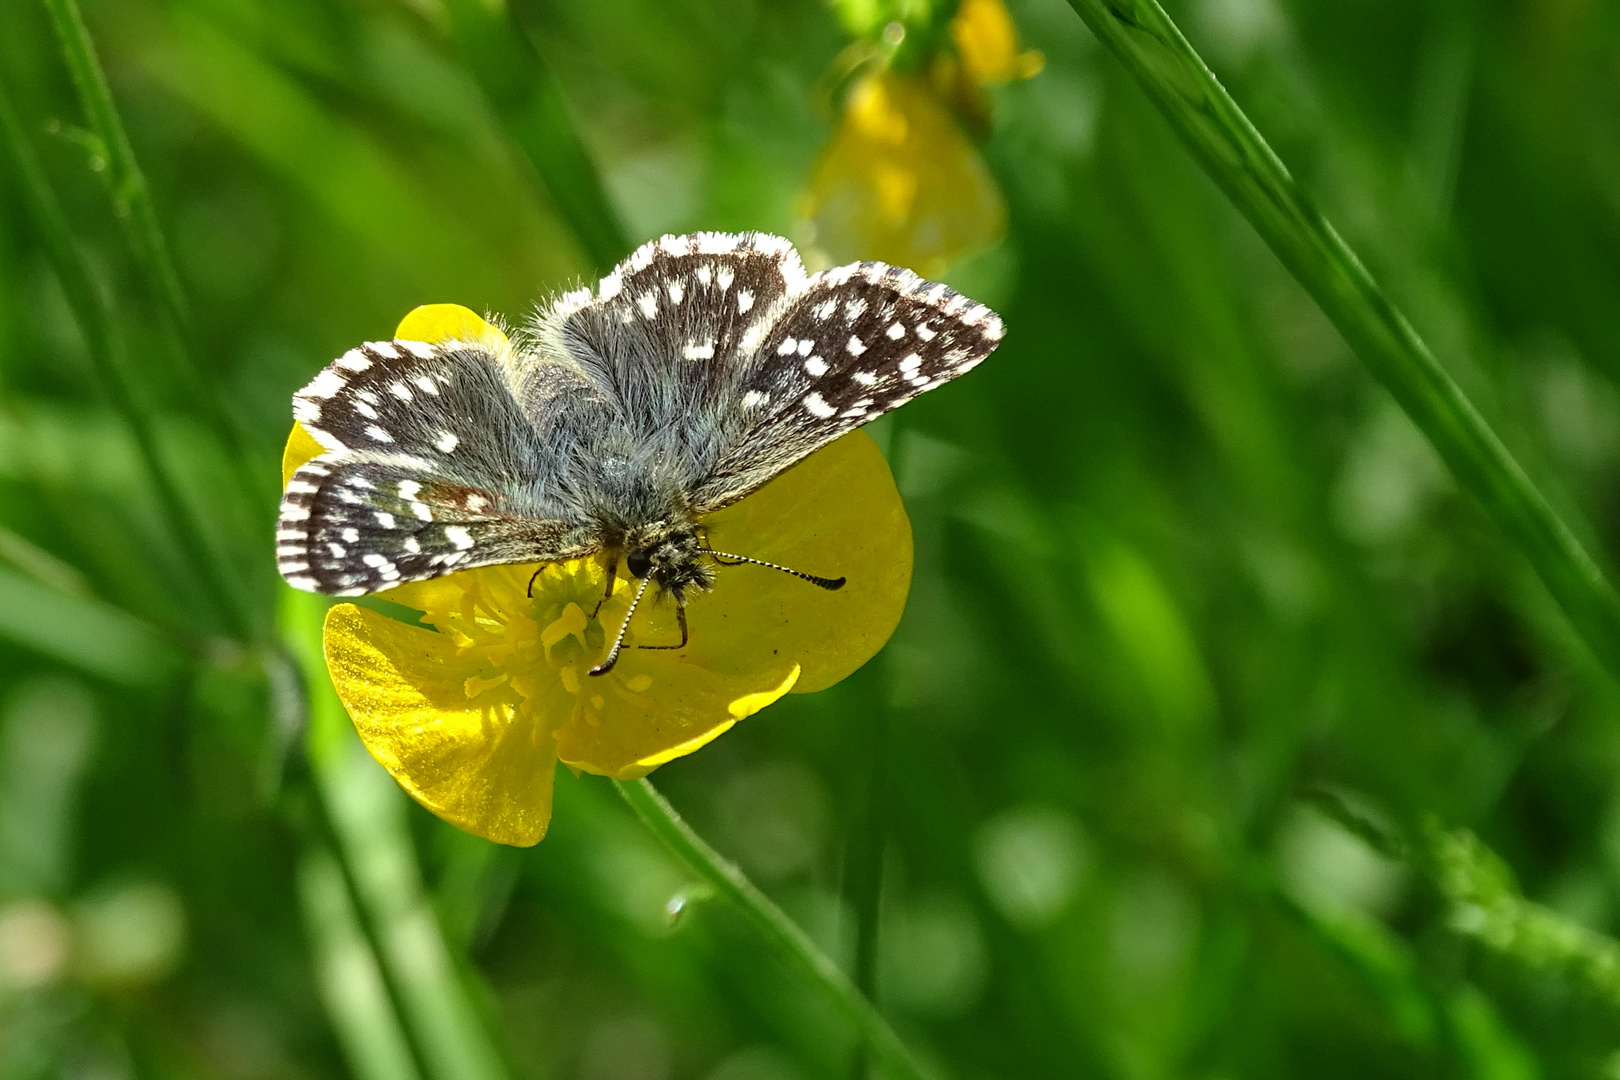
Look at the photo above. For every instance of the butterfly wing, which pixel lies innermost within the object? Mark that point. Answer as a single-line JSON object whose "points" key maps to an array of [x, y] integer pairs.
{"points": [[429, 467], [662, 336], [854, 343]]}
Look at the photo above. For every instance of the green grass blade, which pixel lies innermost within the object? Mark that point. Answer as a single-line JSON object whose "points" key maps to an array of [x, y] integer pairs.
{"points": [[1143, 37], [132, 199], [102, 342], [792, 943], [84, 633], [346, 971], [526, 96]]}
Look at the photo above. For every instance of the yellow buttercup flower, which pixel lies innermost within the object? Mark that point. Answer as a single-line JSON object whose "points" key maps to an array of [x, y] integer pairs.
{"points": [[900, 180], [471, 709]]}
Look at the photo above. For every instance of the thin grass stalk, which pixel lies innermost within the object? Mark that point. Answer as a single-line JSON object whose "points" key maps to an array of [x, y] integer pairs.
{"points": [[105, 348], [1142, 36], [132, 199], [863, 858], [790, 942], [501, 54], [348, 976]]}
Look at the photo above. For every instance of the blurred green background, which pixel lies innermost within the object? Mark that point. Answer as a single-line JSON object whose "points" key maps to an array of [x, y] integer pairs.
{"points": [[1223, 737]]}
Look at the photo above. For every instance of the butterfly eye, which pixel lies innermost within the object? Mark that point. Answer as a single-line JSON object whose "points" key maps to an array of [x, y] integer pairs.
{"points": [[639, 562]]}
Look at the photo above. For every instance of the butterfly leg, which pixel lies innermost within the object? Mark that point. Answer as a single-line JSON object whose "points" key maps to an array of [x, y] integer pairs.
{"points": [[680, 617], [612, 580]]}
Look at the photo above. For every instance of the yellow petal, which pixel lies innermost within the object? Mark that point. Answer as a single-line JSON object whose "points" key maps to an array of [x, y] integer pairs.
{"points": [[682, 708], [301, 447], [900, 181], [447, 322], [480, 765], [987, 43], [836, 514]]}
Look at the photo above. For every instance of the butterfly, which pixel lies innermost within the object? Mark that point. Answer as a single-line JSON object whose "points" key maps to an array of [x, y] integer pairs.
{"points": [[696, 371]]}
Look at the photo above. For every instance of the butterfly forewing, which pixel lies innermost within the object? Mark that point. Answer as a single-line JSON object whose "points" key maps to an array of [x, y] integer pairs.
{"points": [[429, 467], [855, 343]]}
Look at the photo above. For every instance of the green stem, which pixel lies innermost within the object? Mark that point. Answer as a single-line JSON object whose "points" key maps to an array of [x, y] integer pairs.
{"points": [[863, 857], [102, 343], [1237, 157], [132, 200], [792, 943]]}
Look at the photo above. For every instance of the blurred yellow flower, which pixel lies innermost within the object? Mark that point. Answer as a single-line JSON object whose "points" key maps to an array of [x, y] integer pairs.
{"points": [[900, 180], [987, 44], [471, 712]]}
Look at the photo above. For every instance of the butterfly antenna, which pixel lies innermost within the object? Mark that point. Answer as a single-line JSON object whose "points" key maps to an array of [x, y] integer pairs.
{"points": [[613, 654], [830, 584]]}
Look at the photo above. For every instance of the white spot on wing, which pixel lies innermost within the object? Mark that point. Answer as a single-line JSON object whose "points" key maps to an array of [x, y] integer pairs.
{"points": [[379, 434], [648, 303], [458, 536], [609, 286], [745, 300], [325, 384], [754, 399], [715, 243], [419, 349], [855, 347], [447, 441], [705, 274], [817, 406], [787, 347], [676, 292], [896, 330], [910, 364], [385, 519], [816, 367], [699, 351], [824, 309], [426, 383], [805, 346], [409, 488], [401, 391], [725, 276], [865, 378], [570, 302], [354, 360]]}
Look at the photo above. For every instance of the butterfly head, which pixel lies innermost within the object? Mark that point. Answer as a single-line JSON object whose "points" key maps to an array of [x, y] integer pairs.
{"points": [[671, 558]]}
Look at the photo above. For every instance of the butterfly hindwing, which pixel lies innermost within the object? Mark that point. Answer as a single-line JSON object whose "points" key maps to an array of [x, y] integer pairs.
{"points": [[855, 343], [429, 467]]}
